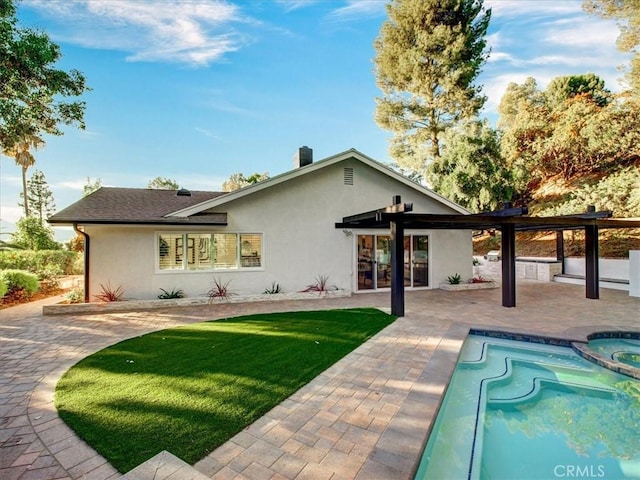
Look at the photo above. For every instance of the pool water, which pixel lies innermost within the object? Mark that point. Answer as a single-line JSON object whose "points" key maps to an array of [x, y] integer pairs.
{"points": [[518, 410], [624, 350]]}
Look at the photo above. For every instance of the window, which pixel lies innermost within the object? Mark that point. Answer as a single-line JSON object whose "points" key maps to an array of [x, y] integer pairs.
{"points": [[170, 252], [225, 250], [209, 251]]}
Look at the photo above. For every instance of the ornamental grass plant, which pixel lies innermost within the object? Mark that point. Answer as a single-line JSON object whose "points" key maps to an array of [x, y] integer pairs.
{"points": [[187, 390]]}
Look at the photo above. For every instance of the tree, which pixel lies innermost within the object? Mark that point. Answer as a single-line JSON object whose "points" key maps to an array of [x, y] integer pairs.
{"points": [[21, 153], [428, 54], [575, 127], [238, 180], [32, 91], [561, 89], [627, 14], [161, 183], [471, 170], [33, 235], [40, 197], [91, 187]]}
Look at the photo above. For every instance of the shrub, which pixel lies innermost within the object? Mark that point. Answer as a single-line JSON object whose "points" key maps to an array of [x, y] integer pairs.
{"points": [[110, 294], [321, 285], [20, 283], [454, 279], [3, 287], [220, 290], [273, 289], [75, 296], [37, 261], [165, 295]]}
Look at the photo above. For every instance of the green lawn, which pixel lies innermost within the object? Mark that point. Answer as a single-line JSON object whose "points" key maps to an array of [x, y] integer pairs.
{"points": [[189, 389]]}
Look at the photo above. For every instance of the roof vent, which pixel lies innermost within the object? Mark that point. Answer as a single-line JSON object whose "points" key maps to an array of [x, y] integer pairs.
{"points": [[183, 192], [303, 157]]}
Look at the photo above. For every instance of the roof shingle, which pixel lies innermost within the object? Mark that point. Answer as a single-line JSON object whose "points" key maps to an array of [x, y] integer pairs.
{"points": [[138, 206]]}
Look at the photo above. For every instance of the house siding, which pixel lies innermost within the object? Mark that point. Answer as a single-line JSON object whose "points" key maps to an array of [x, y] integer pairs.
{"points": [[300, 242]]}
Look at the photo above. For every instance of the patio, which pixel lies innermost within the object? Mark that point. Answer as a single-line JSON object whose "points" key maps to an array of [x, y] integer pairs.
{"points": [[366, 417]]}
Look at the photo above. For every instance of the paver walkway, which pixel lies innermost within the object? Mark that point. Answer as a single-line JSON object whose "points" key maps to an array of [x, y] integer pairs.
{"points": [[366, 417]]}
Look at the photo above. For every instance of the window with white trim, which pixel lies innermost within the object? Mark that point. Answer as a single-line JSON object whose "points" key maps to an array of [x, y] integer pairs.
{"points": [[209, 251]]}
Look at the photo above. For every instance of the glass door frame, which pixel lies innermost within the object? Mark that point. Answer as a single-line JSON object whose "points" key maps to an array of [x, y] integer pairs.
{"points": [[369, 261]]}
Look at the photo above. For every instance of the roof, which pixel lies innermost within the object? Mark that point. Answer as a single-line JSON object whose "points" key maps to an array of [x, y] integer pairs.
{"points": [[309, 169], [109, 205]]}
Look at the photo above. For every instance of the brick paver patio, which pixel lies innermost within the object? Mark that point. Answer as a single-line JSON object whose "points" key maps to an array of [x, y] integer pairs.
{"points": [[366, 417]]}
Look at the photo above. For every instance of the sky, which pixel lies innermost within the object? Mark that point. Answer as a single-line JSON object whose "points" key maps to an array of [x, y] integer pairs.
{"points": [[196, 90]]}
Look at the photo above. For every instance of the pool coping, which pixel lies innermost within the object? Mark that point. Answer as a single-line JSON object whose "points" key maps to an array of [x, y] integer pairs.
{"points": [[578, 345]]}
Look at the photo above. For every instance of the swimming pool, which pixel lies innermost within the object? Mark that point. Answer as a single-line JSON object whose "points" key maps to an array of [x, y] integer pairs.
{"points": [[620, 348], [533, 411]]}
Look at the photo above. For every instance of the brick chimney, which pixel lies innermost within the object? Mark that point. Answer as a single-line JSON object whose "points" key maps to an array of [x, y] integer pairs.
{"points": [[303, 157]]}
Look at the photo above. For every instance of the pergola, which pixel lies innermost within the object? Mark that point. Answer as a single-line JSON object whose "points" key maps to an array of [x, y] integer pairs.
{"points": [[398, 217]]}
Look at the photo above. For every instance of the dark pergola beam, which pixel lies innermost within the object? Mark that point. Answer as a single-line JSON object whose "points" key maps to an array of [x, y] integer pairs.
{"points": [[398, 218]]}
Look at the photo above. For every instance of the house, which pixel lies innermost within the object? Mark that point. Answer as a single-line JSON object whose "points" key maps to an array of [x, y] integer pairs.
{"points": [[281, 230]]}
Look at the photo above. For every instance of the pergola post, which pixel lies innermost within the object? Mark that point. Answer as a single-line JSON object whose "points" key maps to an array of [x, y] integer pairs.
{"points": [[560, 248], [397, 263], [592, 273], [508, 265]]}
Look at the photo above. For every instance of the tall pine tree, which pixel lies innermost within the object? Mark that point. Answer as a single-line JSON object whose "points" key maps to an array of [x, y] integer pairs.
{"points": [[39, 197], [428, 55]]}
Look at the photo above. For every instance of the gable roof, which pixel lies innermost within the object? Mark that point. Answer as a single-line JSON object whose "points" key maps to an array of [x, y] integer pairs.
{"points": [[141, 206], [308, 169], [109, 205]]}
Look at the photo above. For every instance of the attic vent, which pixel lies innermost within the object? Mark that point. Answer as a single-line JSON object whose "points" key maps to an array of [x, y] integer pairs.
{"points": [[348, 175], [183, 192]]}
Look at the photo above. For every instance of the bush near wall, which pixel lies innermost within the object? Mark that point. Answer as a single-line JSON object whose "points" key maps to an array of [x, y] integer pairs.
{"points": [[3, 287], [62, 262], [20, 283]]}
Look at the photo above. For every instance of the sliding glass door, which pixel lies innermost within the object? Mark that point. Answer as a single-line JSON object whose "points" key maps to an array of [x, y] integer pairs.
{"points": [[374, 261]]}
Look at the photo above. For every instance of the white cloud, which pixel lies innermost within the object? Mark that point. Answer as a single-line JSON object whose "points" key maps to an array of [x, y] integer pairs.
{"points": [[10, 214], [195, 33], [532, 8], [358, 10], [291, 5], [72, 184], [205, 132], [583, 33]]}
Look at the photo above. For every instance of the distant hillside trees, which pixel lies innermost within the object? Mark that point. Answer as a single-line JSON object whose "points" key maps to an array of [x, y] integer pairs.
{"points": [[428, 55], [238, 180], [162, 183], [574, 127]]}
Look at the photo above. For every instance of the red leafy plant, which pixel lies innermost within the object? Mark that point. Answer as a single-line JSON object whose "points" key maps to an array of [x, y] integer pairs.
{"points": [[110, 294], [480, 279], [220, 290]]}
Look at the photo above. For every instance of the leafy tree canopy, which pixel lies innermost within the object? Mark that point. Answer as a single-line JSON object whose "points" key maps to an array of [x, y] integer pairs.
{"points": [[91, 186], [575, 127], [238, 180], [471, 170], [428, 54], [161, 183], [32, 91], [33, 235], [627, 14]]}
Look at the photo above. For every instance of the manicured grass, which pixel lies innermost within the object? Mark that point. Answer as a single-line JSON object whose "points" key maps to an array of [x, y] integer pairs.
{"points": [[189, 389]]}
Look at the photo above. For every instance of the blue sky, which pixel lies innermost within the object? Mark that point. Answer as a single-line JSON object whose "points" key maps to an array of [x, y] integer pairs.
{"points": [[196, 90]]}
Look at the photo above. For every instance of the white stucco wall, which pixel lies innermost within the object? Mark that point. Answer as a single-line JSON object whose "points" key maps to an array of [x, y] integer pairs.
{"points": [[300, 242]]}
